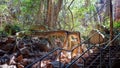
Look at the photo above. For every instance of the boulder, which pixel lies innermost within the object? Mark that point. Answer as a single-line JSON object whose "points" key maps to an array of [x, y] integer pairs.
{"points": [[96, 37]]}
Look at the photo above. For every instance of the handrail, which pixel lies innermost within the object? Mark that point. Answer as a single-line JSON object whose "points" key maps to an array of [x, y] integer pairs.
{"points": [[70, 64], [112, 40], [47, 56], [42, 57]]}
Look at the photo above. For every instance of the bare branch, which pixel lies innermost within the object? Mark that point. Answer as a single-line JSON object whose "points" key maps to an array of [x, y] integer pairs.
{"points": [[71, 13]]}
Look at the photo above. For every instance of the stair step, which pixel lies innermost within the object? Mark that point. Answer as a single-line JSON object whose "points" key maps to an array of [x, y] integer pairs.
{"points": [[91, 58], [88, 62], [118, 55], [105, 60], [92, 55], [96, 63], [79, 65], [93, 66]]}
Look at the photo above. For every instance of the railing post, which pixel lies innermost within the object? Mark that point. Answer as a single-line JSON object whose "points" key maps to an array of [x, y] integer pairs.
{"points": [[109, 56], [111, 23], [100, 56], [71, 56], [111, 32], [83, 62], [60, 59], [40, 64]]}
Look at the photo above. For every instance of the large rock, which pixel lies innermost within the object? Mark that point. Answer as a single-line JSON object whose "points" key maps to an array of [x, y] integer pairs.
{"points": [[96, 37]]}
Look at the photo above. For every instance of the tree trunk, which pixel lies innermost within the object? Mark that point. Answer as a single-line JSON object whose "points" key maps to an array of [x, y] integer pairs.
{"points": [[52, 13], [117, 10], [40, 15]]}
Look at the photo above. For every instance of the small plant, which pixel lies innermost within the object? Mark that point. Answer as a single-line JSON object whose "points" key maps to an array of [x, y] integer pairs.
{"points": [[11, 29]]}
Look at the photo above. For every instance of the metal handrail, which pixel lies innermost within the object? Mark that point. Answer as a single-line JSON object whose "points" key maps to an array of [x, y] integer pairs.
{"points": [[47, 56], [112, 40], [70, 64], [42, 58]]}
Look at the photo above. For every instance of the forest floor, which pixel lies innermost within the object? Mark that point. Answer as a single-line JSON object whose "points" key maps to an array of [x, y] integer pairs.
{"points": [[18, 53]]}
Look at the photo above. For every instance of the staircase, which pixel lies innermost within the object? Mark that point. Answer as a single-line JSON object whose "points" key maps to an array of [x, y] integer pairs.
{"points": [[103, 57]]}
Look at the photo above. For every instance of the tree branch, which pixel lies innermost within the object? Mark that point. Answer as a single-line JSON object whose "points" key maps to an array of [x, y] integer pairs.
{"points": [[71, 13]]}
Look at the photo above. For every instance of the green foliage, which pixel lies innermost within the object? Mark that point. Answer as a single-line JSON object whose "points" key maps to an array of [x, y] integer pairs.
{"points": [[29, 6], [28, 10], [2, 8], [116, 24], [79, 11], [11, 29], [3, 34]]}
